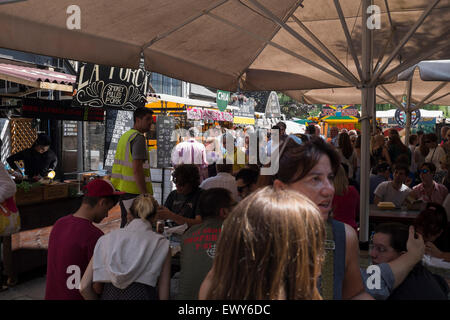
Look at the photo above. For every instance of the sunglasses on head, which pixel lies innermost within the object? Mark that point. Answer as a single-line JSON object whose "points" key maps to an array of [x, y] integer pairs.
{"points": [[290, 137]]}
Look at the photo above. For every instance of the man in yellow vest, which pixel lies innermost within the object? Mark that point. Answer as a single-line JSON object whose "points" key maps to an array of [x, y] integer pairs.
{"points": [[131, 168]]}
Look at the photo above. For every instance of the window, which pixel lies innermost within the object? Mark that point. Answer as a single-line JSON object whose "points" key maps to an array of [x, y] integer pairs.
{"points": [[166, 85]]}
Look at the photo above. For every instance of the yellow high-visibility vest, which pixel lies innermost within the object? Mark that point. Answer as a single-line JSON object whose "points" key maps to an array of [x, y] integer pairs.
{"points": [[122, 176]]}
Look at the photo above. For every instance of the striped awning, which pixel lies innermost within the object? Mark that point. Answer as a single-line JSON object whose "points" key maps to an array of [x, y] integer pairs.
{"points": [[37, 78]]}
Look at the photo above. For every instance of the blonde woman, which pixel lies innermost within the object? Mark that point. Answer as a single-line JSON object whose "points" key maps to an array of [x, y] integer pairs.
{"points": [[271, 247], [132, 263], [346, 199]]}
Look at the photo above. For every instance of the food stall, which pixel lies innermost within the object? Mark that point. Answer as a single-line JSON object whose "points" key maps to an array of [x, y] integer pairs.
{"points": [[341, 116], [424, 120], [40, 203], [171, 113]]}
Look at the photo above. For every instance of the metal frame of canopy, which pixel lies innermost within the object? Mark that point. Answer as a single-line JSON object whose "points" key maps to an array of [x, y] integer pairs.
{"points": [[370, 77]]}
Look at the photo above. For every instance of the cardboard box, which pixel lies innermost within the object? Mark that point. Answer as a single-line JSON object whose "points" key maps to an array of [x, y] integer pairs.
{"points": [[33, 195], [56, 191]]}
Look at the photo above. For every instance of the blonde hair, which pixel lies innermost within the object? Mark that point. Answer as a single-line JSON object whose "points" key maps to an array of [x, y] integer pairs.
{"points": [[144, 207], [271, 246], [340, 182], [376, 142]]}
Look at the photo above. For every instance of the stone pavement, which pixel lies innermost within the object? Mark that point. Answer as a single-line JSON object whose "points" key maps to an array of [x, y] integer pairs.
{"points": [[33, 289]]}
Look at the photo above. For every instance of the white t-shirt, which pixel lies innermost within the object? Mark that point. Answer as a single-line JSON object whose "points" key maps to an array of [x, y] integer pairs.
{"points": [[222, 180], [434, 156], [386, 192]]}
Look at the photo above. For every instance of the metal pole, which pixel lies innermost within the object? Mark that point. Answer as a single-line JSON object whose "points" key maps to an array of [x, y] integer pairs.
{"points": [[374, 115], [408, 125], [348, 37], [368, 99], [80, 163], [408, 111]]}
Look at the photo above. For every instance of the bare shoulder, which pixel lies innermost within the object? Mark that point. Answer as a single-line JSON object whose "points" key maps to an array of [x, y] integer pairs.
{"points": [[351, 238], [206, 285]]}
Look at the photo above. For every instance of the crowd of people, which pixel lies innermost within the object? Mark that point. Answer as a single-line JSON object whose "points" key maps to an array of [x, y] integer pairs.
{"points": [[293, 235]]}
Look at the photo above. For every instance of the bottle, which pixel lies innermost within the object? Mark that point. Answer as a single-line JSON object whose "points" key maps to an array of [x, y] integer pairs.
{"points": [[160, 226], [165, 233]]}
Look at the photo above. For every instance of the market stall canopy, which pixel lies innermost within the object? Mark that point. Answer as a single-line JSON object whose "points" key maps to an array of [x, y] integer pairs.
{"points": [[161, 101], [423, 113], [251, 44], [37, 78]]}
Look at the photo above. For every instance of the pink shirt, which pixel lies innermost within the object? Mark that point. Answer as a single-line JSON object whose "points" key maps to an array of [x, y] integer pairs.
{"points": [[346, 207], [438, 195], [189, 152]]}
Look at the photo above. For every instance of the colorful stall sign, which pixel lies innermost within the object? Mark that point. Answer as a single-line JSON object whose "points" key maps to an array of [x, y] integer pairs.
{"points": [[339, 110], [208, 114], [400, 117], [222, 99]]}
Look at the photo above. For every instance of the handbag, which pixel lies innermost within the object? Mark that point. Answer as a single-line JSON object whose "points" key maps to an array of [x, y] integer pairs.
{"points": [[9, 217]]}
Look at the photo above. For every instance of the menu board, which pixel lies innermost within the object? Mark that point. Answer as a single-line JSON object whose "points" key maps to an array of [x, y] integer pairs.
{"points": [[117, 123], [70, 128], [165, 126]]}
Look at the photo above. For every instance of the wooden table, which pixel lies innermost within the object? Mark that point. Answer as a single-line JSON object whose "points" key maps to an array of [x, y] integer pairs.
{"points": [[378, 215]]}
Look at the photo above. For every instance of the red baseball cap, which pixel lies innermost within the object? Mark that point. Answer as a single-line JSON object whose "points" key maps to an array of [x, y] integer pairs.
{"points": [[101, 188]]}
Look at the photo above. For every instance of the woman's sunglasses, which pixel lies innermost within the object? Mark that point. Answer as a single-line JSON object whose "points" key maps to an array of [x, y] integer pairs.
{"points": [[286, 142], [178, 182], [424, 171]]}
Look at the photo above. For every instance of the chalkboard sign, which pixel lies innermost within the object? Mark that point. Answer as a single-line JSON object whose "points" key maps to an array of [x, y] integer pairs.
{"points": [[70, 128], [165, 126], [117, 123], [112, 87]]}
